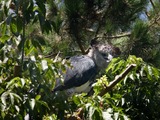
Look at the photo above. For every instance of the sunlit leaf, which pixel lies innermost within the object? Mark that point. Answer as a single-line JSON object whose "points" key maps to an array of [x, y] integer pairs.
{"points": [[38, 97], [4, 38], [32, 103], [13, 82], [156, 72], [17, 108], [76, 100], [44, 65], [123, 101], [23, 81], [13, 97], [4, 98], [132, 76]]}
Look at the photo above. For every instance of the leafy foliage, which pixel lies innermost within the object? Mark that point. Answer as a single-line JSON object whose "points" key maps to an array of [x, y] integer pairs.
{"points": [[133, 98], [139, 90], [27, 77]]}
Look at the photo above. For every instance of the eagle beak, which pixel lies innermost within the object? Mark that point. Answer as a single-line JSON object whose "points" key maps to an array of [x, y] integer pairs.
{"points": [[107, 57]]}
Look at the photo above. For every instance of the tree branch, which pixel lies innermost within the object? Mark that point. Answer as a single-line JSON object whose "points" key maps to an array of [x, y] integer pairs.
{"points": [[117, 79], [152, 4], [118, 36]]}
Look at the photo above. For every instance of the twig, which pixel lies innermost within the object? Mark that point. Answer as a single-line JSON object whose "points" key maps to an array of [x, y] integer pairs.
{"points": [[117, 79]]}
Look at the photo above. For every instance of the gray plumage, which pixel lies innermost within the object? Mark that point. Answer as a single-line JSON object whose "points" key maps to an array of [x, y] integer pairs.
{"points": [[84, 68]]}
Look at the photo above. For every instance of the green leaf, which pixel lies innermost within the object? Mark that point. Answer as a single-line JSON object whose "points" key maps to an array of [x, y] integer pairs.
{"points": [[13, 27], [112, 64], [4, 38], [44, 65], [22, 82], [118, 66], [4, 98], [37, 97], [14, 82], [32, 103], [148, 71], [36, 44], [44, 104], [76, 100], [98, 114], [13, 97], [156, 73], [1, 90], [3, 26]]}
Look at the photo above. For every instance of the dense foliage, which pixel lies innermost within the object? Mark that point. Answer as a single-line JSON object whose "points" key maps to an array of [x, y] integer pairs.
{"points": [[31, 29]]}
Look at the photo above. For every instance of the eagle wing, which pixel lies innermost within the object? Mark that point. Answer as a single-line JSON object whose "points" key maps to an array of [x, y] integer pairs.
{"points": [[82, 70]]}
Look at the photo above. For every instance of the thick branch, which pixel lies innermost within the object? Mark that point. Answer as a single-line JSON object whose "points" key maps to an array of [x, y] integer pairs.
{"points": [[117, 79]]}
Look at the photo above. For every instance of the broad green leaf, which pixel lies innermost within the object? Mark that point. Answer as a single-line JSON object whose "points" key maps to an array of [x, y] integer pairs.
{"points": [[148, 71], [3, 26], [36, 44], [16, 96], [14, 82], [32, 103], [1, 90], [118, 66], [156, 72], [30, 50], [123, 101], [11, 98], [97, 115], [38, 97], [112, 63], [17, 108], [13, 27], [4, 38], [131, 76], [4, 97], [43, 103], [76, 100], [44, 65], [23, 81]]}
